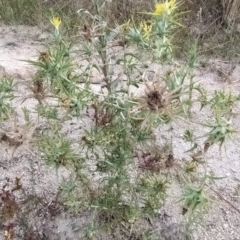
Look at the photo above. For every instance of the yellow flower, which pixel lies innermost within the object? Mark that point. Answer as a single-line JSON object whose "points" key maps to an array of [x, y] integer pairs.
{"points": [[159, 9], [164, 7], [56, 21], [147, 29], [124, 27]]}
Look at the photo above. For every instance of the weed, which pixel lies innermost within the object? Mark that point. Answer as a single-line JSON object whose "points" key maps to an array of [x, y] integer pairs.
{"points": [[218, 134], [55, 65], [6, 95], [119, 173], [39, 91], [121, 123], [194, 199], [49, 112], [20, 11], [56, 149], [17, 136], [222, 103]]}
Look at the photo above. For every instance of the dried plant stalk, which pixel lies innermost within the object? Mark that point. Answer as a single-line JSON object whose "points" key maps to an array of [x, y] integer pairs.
{"points": [[230, 10], [16, 135]]}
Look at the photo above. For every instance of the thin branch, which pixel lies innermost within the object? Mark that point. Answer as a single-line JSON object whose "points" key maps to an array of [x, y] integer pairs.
{"points": [[225, 200]]}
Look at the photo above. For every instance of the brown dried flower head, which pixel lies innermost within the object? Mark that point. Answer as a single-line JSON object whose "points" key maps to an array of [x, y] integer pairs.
{"points": [[156, 97]]}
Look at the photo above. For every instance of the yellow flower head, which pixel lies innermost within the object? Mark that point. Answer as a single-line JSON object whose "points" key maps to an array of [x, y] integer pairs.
{"points": [[124, 27], [56, 21], [164, 7], [146, 28]]}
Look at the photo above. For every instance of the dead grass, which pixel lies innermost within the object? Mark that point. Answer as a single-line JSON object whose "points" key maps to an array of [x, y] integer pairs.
{"points": [[205, 22], [17, 135]]}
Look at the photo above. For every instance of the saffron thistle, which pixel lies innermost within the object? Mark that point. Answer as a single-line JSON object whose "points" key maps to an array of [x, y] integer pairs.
{"points": [[56, 21], [146, 28], [163, 7]]}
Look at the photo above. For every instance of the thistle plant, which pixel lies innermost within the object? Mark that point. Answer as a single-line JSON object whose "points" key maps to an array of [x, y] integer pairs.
{"points": [[164, 24], [56, 149], [56, 22], [106, 176], [154, 191], [222, 103], [194, 199], [123, 123], [55, 66], [156, 33], [100, 36], [219, 133]]}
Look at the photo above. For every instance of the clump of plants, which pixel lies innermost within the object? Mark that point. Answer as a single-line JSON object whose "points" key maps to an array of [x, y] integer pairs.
{"points": [[6, 95], [119, 172]]}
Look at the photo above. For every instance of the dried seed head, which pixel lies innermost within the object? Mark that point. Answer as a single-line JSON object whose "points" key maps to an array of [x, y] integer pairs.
{"points": [[154, 100], [43, 57], [154, 97], [39, 91]]}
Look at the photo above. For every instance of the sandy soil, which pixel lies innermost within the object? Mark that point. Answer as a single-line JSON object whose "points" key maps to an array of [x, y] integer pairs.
{"points": [[222, 222]]}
